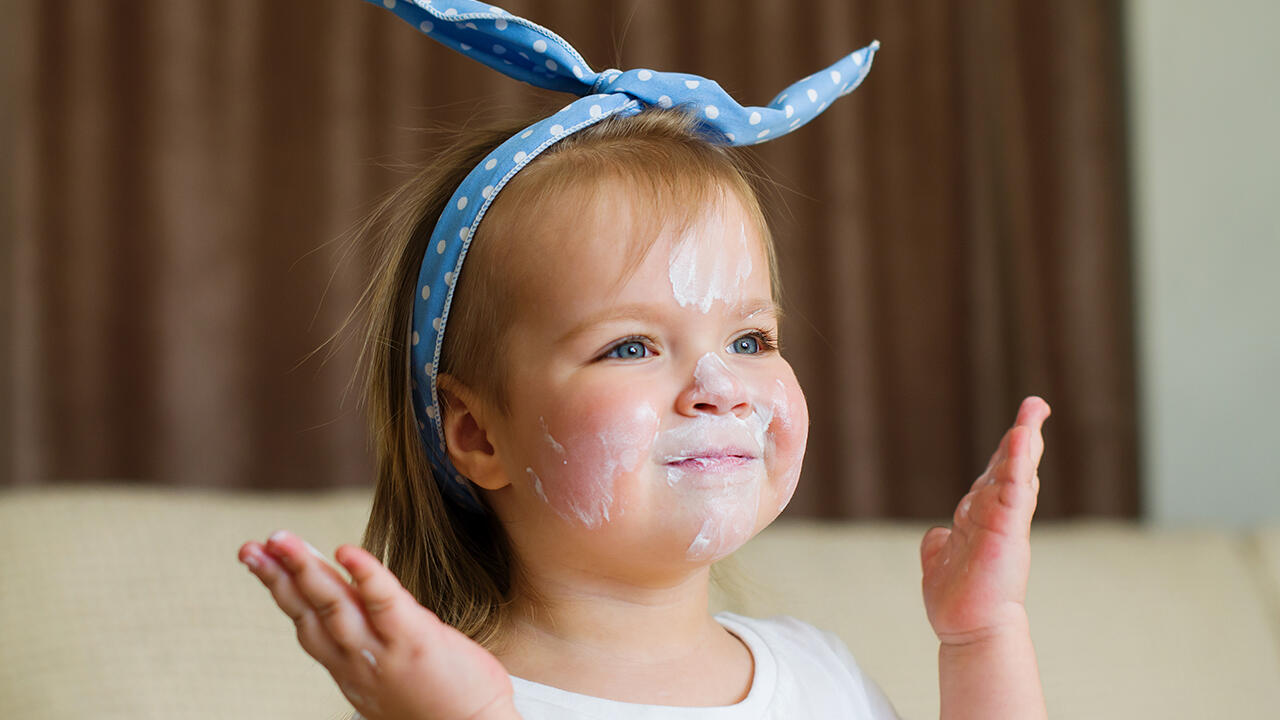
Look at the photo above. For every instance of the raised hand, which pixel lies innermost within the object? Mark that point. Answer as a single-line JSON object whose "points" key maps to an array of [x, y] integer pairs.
{"points": [[975, 573], [391, 657]]}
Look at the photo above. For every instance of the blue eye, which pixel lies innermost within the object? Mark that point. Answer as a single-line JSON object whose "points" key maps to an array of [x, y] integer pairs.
{"points": [[754, 343], [747, 345], [628, 350]]}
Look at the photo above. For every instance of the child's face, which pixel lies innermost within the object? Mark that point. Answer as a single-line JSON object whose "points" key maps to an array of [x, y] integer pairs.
{"points": [[651, 409]]}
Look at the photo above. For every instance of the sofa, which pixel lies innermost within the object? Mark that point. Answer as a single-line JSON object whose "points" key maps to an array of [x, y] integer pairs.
{"points": [[125, 601]]}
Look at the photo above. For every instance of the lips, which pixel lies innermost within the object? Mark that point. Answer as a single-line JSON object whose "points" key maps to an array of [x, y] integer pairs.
{"points": [[712, 460]]}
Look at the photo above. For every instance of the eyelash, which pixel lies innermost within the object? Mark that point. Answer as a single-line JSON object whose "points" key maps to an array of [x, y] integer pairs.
{"points": [[767, 340]]}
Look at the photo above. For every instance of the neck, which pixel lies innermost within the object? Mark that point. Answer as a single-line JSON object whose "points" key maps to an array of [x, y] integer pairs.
{"points": [[564, 616]]}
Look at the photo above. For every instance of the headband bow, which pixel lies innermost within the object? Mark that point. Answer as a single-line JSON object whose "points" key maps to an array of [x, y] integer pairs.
{"points": [[527, 51]]}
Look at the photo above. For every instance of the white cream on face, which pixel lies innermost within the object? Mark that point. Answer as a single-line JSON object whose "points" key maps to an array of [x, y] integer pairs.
{"points": [[700, 269], [579, 474], [718, 462]]}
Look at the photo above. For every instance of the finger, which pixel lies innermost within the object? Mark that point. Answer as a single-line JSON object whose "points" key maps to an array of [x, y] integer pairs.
{"points": [[291, 602], [933, 541], [394, 614], [334, 601], [1017, 482], [1032, 414]]}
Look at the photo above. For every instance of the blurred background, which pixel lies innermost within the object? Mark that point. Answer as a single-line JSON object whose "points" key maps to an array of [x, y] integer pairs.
{"points": [[1075, 200]]}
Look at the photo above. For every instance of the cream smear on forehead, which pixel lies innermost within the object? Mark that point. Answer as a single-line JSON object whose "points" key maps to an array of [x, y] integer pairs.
{"points": [[702, 271]]}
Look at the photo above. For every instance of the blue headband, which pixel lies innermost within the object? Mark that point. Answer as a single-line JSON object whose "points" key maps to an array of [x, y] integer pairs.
{"points": [[529, 52]]}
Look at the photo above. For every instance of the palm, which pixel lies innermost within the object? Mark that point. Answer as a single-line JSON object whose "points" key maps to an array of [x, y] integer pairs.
{"points": [[975, 573], [455, 675]]}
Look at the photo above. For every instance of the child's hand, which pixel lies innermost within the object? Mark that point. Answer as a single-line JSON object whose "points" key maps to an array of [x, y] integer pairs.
{"points": [[391, 657], [975, 574]]}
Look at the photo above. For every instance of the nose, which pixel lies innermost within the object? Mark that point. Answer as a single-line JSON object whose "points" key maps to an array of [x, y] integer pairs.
{"points": [[713, 388]]}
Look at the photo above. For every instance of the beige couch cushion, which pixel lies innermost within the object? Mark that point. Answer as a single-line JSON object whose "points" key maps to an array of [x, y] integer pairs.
{"points": [[1128, 622], [129, 603]]}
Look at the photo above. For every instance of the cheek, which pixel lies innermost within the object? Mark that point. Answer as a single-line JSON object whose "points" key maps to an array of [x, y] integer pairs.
{"points": [[788, 434], [582, 449]]}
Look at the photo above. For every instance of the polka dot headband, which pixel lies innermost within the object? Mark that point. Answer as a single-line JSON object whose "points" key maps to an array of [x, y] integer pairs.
{"points": [[529, 52]]}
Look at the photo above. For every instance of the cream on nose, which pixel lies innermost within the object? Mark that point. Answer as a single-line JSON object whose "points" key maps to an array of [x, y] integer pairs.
{"points": [[714, 383]]}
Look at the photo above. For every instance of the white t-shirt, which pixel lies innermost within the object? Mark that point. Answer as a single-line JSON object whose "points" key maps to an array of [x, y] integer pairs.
{"points": [[800, 672]]}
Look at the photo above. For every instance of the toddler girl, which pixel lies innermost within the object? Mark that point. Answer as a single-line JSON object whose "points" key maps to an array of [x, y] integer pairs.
{"points": [[607, 415]]}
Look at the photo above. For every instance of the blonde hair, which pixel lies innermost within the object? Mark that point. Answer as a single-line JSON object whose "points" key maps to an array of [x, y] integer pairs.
{"points": [[456, 562]]}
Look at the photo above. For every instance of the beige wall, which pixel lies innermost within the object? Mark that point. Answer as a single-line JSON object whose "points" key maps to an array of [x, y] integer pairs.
{"points": [[1205, 125]]}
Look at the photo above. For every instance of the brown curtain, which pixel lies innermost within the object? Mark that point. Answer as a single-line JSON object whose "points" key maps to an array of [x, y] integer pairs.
{"points": [[954, 235]]}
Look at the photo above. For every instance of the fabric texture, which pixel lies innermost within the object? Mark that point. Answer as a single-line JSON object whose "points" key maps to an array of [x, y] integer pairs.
{"points": [[800, 672], [529, 52], [185, 175]]}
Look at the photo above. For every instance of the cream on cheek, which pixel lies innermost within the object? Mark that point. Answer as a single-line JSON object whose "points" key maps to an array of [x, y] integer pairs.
{"points": [[577, 470], [789, 434]]}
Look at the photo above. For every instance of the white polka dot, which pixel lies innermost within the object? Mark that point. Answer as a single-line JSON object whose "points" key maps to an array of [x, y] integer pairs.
{"points": [[415, 339], [712, 111], [781, 97], [427, 369], [755, 118], [499, 50], [730, 136], [526, 57], [450, 11], [440, 247], [426, 292], [790, 110], [595, 111], [577, 72], [431, 412], [448, 279], [520, 156], [526, 133], [691, 84], [464, 46], [762, 133], [557, 129], [436, 324], [835, 77], [389, 3], [813, 94], [644, 75], [664, 101], [472, 26], [462, 234], [491, 164], [551, 64], [540, 45], [462, 203], [487, 191], [427, 26], [500, 24]]}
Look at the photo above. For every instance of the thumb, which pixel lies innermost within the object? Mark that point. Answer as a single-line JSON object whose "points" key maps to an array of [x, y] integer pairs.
{"points": [[933, 541]]}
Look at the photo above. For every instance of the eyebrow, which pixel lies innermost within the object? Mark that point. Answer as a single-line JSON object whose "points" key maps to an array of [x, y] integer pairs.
{"points": [[643, 311]]}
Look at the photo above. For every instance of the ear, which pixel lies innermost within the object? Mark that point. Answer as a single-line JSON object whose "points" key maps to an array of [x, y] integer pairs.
{"points": [[467, 434]]}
